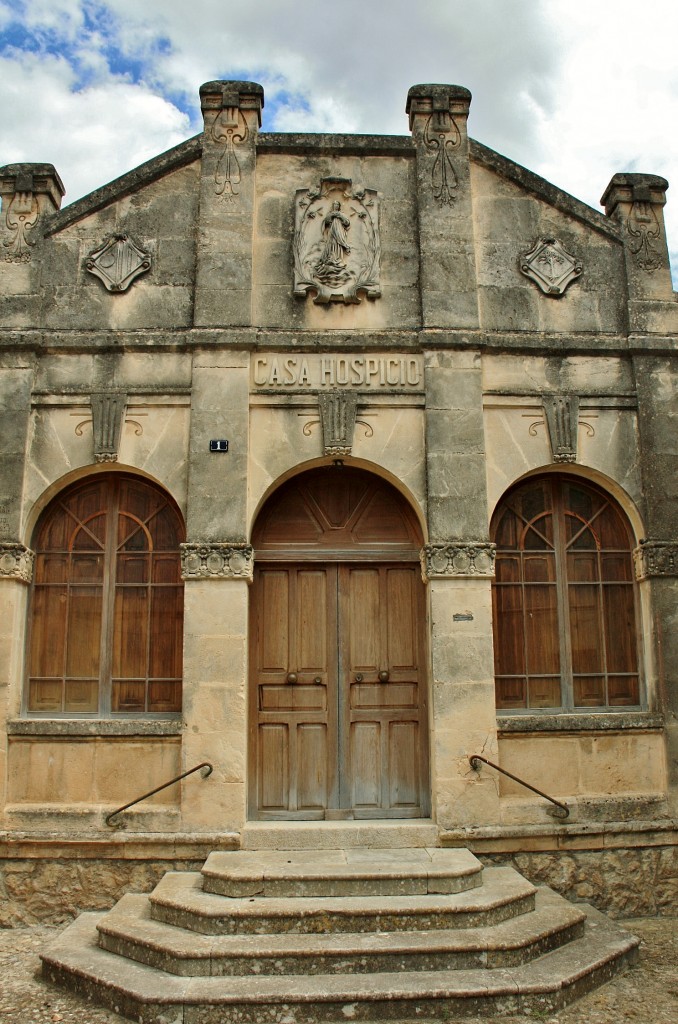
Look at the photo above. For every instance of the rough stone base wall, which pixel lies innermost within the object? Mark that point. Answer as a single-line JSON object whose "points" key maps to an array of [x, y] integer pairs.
{"points": [[637, 882], [56, 891]]}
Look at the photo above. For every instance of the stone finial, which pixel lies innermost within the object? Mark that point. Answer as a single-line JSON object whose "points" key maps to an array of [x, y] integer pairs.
{"points": [[444, 102], [28, 191], [217, 96], [636, 201]]}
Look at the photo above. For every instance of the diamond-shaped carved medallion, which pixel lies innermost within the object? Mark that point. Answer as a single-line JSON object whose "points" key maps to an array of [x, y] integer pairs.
{"points": [[550, 266], [118, 262]]}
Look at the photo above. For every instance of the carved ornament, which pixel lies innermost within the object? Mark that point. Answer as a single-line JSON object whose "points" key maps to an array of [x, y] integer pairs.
{"points": [[217, 561], [118, 262], [16, 562], [337, 415], [550, 266], [457, 559], [441, 138], [108, 410], [336, 242], [655, 558], [229, 130], [643, 227], [22, 216], [562, 420]]}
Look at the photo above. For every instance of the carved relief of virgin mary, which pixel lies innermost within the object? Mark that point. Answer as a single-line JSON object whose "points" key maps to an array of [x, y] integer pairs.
{"points": [[336, 242]]}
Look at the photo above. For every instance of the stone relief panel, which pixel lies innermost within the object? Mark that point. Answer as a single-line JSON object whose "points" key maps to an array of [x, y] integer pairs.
{"points": [[16, 562], [118, 262], [441, 138], [21, 218], [230, 131], [336, 242], [656, 558], [108, 411], [217, 561], [550, 266], [457, 559], [562, 421], [643, 227]]}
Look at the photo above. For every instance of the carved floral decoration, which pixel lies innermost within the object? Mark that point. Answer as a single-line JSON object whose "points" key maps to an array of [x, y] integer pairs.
{"points": [[655, 558], [118, 262], [441, 138], [230, 130], [458, 559], [16, 562], [550, 266], [336, 242], [217, 561], [21, 217], [643, 226]]}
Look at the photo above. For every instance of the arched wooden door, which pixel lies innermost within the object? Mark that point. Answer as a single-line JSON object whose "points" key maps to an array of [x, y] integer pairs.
{"points": [[338, 707]]}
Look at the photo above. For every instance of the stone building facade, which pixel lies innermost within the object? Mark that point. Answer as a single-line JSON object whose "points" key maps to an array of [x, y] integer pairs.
{"points": [[334, 461]]}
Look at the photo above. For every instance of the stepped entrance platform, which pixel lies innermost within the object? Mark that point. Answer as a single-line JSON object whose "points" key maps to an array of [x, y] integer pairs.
{"points": [[359, 933]]}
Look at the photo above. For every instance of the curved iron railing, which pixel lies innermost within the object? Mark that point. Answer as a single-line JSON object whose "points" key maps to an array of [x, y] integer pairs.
{"points": [[152, 792], [475, 759]]}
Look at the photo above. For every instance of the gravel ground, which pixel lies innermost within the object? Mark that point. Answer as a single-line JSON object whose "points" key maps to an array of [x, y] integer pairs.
{"points": [[646, 993]]}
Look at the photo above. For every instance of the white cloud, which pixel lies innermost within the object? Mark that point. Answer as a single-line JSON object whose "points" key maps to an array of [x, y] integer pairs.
{"points": [[575, 94]]}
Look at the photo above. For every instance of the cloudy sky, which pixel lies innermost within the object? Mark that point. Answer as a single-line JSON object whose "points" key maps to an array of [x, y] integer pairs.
{"points": [[573, 91]]}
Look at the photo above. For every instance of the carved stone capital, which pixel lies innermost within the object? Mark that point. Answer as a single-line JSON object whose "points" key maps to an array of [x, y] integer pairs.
{"points": [[217, 561], [16, 562], [458, 559], [656, 558]]}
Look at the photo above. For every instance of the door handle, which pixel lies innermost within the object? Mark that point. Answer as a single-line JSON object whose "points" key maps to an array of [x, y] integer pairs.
{"points": [[383, 676], [291, 677], [358, 677]]}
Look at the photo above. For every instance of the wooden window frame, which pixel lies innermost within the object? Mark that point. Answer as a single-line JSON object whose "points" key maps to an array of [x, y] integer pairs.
{"points": [[111, 587], [562, 583]]}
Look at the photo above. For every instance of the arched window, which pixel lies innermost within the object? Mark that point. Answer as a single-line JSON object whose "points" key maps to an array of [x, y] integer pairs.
{"points": [[107, 601], [565, 632]]}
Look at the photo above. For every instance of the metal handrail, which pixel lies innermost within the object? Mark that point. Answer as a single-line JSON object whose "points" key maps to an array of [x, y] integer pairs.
{"points": [[474, 761], [203, 764]]}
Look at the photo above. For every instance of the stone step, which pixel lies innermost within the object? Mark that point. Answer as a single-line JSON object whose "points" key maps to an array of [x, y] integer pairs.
{"points": [[179, 899], [129, 930], [150, 996], [339, 835], [350, 872]]}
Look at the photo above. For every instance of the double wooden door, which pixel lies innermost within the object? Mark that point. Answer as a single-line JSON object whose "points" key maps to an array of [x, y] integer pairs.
{"points": [[338, 700]]}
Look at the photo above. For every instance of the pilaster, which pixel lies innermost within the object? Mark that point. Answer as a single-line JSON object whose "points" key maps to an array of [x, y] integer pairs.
{"points": [[438, 116], [636, 202], [232, 115]]}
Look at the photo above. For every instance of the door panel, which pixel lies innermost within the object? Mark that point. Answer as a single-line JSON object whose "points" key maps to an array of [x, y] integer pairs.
{"points": [[338, 712]]}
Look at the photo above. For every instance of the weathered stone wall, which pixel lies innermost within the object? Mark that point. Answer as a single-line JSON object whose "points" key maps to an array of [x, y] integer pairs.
{"points": [[635, 882]]}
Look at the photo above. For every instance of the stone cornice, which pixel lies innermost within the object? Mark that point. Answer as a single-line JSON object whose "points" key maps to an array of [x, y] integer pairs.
{"points": [[656, 558], [212, 561], [16, 562], [458, 559]]}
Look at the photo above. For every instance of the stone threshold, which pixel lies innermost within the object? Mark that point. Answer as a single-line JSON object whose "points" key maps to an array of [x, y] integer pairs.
{"points": [[537, 838], [135, 846]]}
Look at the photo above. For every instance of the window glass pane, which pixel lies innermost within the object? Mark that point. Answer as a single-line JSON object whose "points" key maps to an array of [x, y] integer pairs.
{"points": [[538, 536], [582, 566], [164, 695], [585, 638], [130, 636], [544, 692], [541, 629], [45, 695], [83, 631], [166, 632], [90, 535], [589, 691], [132, 534], [128, 695], [580, 501], [48, 631], [511, 693], [81, 695], [509, 648], [620, 627], [623, 691]]}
